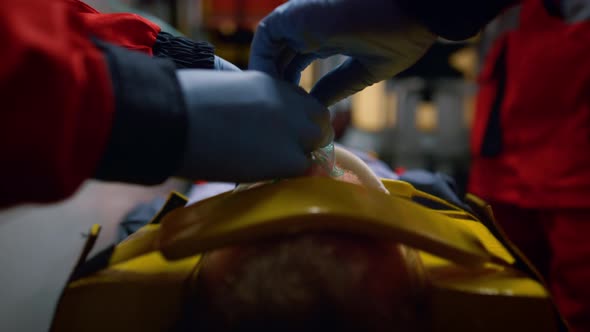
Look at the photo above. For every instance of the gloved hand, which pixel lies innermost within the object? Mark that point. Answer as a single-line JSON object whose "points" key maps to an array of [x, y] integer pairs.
{"points": [[247, 126], [379, 38]]}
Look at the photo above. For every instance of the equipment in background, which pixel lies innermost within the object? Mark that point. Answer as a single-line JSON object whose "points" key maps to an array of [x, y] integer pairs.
{"points": [[230, 25]]}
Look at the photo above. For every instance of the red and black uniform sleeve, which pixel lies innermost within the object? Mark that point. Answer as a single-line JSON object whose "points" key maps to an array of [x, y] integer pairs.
{"points": [[136, 33], [75, 107], [455, 19]]}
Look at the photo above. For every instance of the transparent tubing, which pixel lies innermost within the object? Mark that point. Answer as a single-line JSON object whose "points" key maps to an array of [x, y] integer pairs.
{"points": [[325, 157]]}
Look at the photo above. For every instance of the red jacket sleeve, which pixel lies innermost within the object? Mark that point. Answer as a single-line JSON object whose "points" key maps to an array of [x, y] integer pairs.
{"points": [[70, 104], [127, 30], [57, 101]]}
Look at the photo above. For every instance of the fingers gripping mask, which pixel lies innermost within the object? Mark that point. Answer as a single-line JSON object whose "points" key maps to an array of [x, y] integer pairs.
{"points": [[339, 164]]}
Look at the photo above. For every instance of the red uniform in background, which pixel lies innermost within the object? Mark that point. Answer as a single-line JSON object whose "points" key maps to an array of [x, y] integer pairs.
{"points": [[245, 14], [531, 148]]}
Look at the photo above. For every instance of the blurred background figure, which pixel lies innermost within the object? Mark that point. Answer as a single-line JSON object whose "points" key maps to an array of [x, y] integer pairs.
{"points": [[530, 141]]}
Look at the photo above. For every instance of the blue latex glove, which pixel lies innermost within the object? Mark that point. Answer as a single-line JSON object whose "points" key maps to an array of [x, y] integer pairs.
{"points": [[247, 126], [379, 38]]}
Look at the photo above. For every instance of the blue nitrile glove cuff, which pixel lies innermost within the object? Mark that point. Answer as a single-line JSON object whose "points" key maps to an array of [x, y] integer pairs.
{"points": [[224, 65]]}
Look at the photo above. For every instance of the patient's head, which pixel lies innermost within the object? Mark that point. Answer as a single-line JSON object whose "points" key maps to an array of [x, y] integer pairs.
{"points": [[309, 282]]}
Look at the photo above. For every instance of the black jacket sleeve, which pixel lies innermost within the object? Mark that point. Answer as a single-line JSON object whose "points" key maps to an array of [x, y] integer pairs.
{"points": [[148, 134], [185, 52], [455, 19]]}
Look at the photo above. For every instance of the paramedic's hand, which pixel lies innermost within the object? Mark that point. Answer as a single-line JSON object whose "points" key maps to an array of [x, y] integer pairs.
{"points": [[380, 40], [247, 126]]}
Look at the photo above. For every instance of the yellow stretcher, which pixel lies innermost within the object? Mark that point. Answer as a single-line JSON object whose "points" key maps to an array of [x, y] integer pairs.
{"points": [[478, 280]]}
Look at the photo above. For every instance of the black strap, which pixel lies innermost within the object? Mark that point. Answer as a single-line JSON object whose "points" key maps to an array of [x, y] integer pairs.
{"points": [[95, 264], [175, 200]]}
